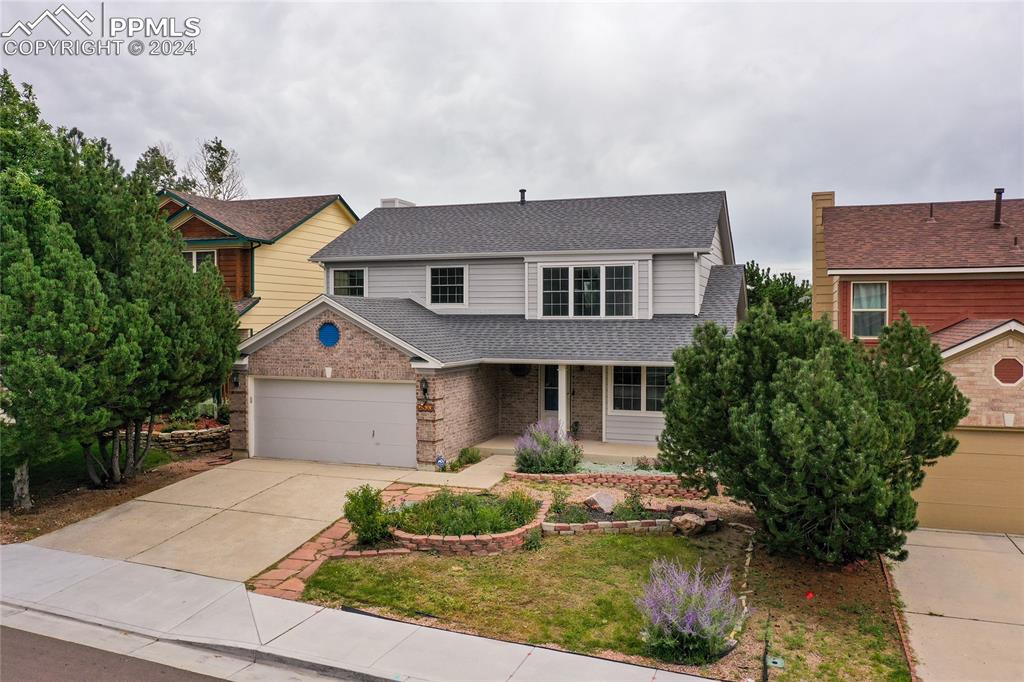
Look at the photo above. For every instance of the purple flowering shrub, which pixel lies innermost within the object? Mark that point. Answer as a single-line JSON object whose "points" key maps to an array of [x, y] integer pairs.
{"points": [[543, 450], [689, 616]]}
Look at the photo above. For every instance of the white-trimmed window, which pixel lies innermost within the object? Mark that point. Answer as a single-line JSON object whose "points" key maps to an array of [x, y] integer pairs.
{"points": [[348, 282], [869, 309], [197, 258], [447, 284], [595, 290], [639, 389]]}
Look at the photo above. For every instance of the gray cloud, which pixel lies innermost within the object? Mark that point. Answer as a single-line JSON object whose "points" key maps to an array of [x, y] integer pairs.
{"points": [[457, 103]]}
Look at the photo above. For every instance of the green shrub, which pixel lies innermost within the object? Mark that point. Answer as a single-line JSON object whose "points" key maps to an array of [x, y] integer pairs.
{"points": [[825, 440], [468, 456], [224, 413], [365, 510], [559, 499], [188, 412], [574, 513], [178, 426], [644, 463], [531, 543], [544, 450], [467, 514], [630, 509]]}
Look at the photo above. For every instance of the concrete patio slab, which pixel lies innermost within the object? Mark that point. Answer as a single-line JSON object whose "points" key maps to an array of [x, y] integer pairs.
{"points": [[948, 539], [227, 619], [342, 638], [982, 585], [427, 653], [126, 529], [482, 475], [303, 496], [233, 545], [219, 488], [32, 573], [148, 597], [1018, 542], [274, 617], [950, 649]]}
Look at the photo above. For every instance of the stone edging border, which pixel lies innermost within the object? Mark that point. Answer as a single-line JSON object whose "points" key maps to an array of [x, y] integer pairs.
{"points": [[464, 545], [656, 484], [630, 527], [901, 627]]}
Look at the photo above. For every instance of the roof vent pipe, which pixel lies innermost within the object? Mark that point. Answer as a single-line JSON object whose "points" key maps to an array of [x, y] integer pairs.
{"points": [[522, 197], [999, 207]]}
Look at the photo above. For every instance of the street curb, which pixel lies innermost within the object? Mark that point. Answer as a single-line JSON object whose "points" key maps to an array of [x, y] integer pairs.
{"points": [[257, 654]]}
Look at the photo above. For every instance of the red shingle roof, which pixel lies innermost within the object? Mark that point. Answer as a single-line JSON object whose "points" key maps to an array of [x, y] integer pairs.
{"points": [[259, 219], [961, 235], [965, 330]]}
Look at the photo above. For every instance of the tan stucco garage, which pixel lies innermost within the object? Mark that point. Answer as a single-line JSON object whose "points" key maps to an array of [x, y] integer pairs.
{"points": [[980, 487]]}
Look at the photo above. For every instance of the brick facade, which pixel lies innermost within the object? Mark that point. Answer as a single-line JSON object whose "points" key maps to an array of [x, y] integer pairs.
{"points": [[463, 407], [585, 402], [992, 403]]}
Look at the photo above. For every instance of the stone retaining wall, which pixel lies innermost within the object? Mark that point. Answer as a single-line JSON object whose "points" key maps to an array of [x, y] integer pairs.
{"points": [[194, 442], [666, 485], [476, 545], [630, 527]]}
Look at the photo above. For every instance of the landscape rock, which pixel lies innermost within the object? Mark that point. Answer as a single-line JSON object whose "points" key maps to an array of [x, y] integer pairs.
{"points": [[602, 500], [689, 524], [711, 521]]}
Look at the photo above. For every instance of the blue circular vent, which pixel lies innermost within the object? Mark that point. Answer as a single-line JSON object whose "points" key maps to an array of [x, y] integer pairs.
{"points": [[329, 334]]}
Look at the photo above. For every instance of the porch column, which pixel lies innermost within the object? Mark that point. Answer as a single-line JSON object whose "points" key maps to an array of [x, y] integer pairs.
{"points": [[563, 398]]}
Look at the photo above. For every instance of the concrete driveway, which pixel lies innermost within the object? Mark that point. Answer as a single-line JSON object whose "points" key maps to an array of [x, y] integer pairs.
{"points": [[963, 594], [231, 522]]}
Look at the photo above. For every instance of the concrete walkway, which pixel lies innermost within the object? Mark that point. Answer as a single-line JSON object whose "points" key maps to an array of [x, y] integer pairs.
{"points": [[163, 609], [963, 595]]}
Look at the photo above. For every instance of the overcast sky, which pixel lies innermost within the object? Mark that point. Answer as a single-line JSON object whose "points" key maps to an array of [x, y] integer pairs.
{"points": [[462, 103]]}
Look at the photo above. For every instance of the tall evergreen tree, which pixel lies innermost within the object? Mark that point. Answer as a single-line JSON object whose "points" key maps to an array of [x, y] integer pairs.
{"points": [[788, 297], [157, 167], [216, 171]]}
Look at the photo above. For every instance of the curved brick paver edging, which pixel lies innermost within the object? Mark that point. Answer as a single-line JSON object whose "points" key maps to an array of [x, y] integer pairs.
{"points": [[666, 485], [476, 545], [631, 527]]}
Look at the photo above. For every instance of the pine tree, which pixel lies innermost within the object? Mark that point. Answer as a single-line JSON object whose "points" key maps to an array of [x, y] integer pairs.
{"points": [[157, 167]]}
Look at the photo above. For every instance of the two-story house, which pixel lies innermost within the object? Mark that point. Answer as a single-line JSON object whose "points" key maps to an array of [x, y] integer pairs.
{"points": [[956, 268], [260, 246], [439, 327]]}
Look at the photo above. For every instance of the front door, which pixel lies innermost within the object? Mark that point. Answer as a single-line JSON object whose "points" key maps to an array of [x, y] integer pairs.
{"points": [[549, 392]]}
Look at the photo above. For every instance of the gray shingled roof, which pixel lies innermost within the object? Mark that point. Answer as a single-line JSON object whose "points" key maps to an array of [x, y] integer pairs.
{"points": [[461, 338], [656, 221]]}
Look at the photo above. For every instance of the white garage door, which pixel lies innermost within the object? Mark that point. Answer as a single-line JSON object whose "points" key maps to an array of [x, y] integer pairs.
{"points": [[335, 421]]}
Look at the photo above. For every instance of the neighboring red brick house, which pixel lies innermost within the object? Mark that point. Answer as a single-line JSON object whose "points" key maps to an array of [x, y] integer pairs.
{"points": [[956, 268]]}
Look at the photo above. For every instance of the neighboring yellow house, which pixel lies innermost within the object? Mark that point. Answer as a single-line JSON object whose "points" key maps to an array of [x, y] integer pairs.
{"points": [[261, 247]]}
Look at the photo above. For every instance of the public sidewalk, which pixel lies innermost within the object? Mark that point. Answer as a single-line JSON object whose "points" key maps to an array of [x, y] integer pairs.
{"points": [[170, 607]]}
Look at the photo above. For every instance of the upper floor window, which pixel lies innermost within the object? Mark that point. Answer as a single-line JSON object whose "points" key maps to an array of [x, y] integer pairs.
{"points": [[587, 291], [197, 258], [448, 285], [870, 308], [639, 389], [349, 282]]}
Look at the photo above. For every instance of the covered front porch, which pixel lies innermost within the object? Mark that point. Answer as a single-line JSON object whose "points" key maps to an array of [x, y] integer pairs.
{"points": [[595, 451]]}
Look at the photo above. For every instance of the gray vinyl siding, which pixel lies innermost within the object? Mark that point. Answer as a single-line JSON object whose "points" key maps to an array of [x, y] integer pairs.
{"points": [[673, 284], [707, 261], [495, 285], [641, 427]]}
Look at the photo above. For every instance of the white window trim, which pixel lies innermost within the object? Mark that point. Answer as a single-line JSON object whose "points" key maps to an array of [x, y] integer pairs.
{"points": [[572, 298], [868, 310], [192, 253], [610, 392], [366, 280], [465, 285]]}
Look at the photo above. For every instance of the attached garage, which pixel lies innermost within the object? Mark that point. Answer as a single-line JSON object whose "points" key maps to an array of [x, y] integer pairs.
{"points": [[354, 422], [980, 487]]}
